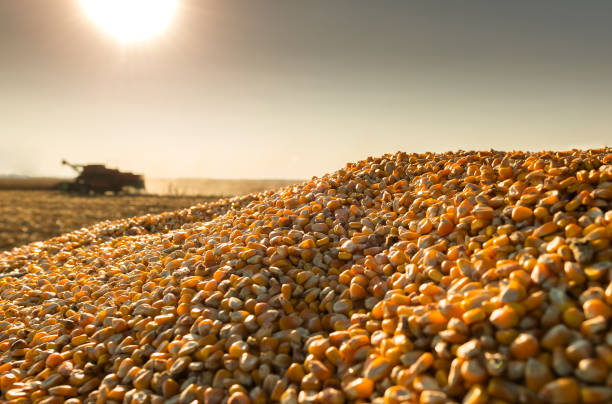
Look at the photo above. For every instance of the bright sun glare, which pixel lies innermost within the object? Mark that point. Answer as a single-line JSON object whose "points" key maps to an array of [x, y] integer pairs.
{"points": [[131, 20]]}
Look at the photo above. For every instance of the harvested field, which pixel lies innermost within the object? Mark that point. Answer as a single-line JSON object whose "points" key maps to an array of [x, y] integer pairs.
{"points": [[165, 186], [410, 278], [27, 216]]}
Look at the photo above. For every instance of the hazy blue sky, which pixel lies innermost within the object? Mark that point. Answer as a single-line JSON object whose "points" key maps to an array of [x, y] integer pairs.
{"points": [[294, 88]]}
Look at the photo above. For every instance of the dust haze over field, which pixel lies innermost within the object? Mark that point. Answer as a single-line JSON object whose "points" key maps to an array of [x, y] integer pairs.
{"points": [[162, 186], [219, 187]]}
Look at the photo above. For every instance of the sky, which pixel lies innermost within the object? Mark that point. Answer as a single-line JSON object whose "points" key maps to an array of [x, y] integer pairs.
{"points": [[295, 89]]}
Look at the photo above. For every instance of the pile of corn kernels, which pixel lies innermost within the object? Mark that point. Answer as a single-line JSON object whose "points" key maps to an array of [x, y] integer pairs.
{"points": [[467, 277]]}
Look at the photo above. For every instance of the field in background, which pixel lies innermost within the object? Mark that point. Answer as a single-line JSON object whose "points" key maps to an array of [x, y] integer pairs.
{"points": [[29, 211], [27, 216], [207, 186], [30, 183], [164, 186]]}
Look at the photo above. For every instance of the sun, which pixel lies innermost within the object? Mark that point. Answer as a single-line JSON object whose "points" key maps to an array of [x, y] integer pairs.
{"points": [[131, 20]]}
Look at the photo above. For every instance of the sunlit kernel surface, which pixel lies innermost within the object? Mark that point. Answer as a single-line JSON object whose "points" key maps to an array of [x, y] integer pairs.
{"points": [[131, 20]]}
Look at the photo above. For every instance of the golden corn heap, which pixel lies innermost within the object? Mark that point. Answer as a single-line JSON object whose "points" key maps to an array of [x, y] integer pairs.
{"points": [[411, 278]]}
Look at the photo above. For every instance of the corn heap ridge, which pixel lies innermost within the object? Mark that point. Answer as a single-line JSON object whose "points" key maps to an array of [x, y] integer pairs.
{"points": [[467, 277]]}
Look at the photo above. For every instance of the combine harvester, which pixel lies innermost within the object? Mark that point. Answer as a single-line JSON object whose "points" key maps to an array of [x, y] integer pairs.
{"points": [[99, 179]]}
